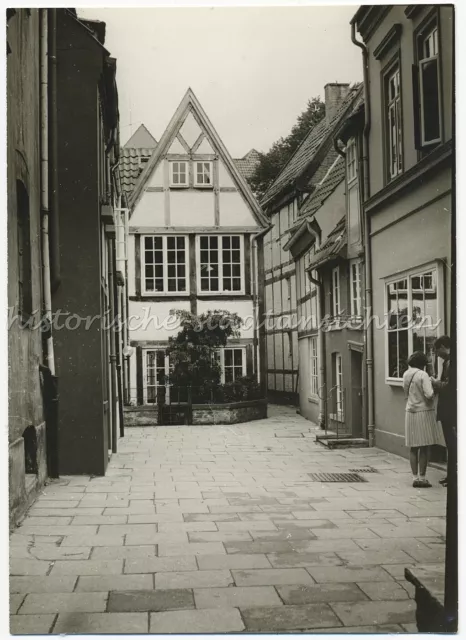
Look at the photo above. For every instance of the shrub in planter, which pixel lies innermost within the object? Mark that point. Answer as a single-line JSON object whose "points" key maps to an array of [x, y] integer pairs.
{"points": [[244, 388]]}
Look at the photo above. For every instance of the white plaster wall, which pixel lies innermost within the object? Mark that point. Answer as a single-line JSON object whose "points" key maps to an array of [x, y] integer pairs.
{"points": [[234, 211], [192, 208], [224, 177], [149, 210], [152, 320], [205, 147], [244, 308], [156, 179]]}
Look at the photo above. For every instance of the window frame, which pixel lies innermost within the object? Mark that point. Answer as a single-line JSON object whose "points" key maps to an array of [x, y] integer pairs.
{"points": [[165, 292], [166, 370], [220, 291], [336, 292], [179, 185], [394, 67], [339, 389], [202, 185], [407, 274], [351, 161], [356, 301], [314, 362], [432, 24], [222, 361]]}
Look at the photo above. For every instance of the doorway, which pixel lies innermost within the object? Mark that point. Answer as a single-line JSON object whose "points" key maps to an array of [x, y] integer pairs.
{"points": [[356, 394]]}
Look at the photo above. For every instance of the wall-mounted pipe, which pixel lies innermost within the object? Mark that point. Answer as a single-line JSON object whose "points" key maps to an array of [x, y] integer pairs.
{"points": [[322, 353], [44, 193], [53, 153], [367, 245]]}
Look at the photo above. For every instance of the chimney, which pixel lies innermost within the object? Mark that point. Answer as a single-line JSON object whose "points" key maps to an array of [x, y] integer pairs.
{"points": [[335, 93]]}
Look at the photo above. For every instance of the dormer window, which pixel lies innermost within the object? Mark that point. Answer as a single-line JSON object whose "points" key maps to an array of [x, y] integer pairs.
{"points": [[179, 174], [202, 174]]}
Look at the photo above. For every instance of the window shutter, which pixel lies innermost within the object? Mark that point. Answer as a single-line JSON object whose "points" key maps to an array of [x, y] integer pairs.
{"points": [[416, 108]]}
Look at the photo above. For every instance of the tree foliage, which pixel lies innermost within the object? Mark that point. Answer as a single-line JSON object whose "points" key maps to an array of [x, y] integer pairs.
{"points": [[271, 163], [192, 351]]}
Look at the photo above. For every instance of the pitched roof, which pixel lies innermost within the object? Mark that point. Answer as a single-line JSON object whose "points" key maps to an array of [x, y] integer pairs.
{"points": [[141, 139], [333, 177], [307, 151], [248, 164], [132, 162], [188, 104], [333, 247]]}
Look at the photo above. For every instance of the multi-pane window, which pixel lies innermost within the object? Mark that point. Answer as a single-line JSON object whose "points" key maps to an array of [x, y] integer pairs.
{"points": [[220, 263], [203, 174], [233, 363], [179, 174], [356, 306], [429, 81], [336, 291], [155, 373], [314, 367], [24, 252], [164, 264], [394, 131], [412, 320], [351, 161]]}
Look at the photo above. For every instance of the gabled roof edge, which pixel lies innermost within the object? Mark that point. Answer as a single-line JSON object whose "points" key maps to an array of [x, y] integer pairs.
{"points": [[190, 98]]}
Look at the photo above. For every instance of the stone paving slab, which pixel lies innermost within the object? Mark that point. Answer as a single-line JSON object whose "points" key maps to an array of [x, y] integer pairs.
{"points": [[150, 600], [225, 620], [309, 594], [289, 618], [227, 520], [65, 602], [96, 623]]}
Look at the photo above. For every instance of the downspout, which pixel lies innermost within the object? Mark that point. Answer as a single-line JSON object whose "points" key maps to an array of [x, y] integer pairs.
{"points": [[367, 244], [254, 307], [44, 197], [53, 147], [323, 369]]}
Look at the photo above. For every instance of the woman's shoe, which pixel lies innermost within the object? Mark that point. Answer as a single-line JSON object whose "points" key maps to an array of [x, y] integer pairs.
{"points": [[424, 484], [443, 481], [417, 484]]}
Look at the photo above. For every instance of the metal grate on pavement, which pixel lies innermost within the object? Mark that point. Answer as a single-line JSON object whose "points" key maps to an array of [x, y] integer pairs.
{"points": [[336, 477], [364, 470]]}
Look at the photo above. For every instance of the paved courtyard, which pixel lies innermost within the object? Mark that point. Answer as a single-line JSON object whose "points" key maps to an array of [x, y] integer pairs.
{"points": [[222, 529]]}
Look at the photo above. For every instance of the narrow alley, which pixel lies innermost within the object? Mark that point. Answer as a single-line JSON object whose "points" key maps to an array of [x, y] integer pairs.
{"points": [[226, 529]]}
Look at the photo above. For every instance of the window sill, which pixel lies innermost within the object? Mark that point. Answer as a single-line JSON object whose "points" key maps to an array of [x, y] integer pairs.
{"points": [[220, 293], [164, 294], [313, 399], [179, 186], [394, 382]]}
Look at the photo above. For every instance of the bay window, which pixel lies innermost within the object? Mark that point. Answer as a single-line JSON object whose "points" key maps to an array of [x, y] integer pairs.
{"points": [[336, 291]]}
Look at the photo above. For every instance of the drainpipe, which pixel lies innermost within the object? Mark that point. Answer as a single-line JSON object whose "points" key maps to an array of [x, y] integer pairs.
{"points": [[53, 142], [367, 244], [323, 369], [44, 196], [254, 306]]}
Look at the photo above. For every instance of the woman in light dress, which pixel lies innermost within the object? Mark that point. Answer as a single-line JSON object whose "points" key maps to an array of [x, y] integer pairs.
{"points": [[421, 427]]}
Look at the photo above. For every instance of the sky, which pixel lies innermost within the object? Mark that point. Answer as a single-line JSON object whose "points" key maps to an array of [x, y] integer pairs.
{"points": [[252, 68]]}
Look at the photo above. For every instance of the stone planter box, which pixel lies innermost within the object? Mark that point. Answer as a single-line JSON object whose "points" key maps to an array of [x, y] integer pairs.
{"points": [[230, 413], [222, 413]]}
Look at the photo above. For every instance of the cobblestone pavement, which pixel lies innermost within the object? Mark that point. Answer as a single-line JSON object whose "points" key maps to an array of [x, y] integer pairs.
{"points": [[221, 529]]}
